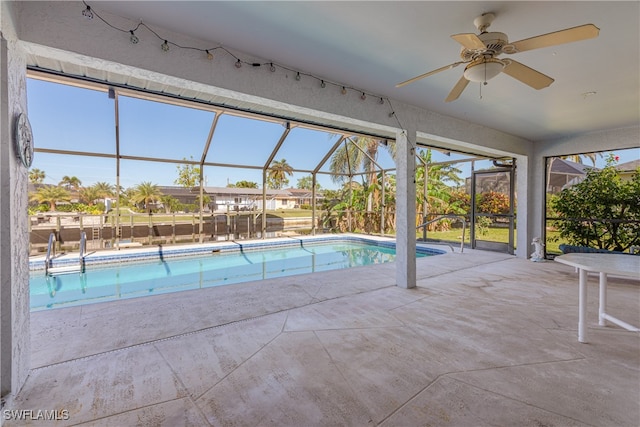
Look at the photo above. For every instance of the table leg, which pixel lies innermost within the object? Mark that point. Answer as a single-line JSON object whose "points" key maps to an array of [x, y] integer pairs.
{"points": [[602, 306], [582, 307]]}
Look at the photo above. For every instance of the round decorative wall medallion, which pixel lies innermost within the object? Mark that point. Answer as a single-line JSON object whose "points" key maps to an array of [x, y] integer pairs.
{"points": [[24, 140]]}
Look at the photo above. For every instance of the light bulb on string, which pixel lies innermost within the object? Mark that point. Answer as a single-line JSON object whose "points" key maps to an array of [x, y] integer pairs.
{"points": [[88, 13], [133, 38]]}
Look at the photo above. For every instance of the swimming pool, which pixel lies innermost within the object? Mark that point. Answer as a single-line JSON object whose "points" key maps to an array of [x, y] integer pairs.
{"points": [[106, 278]]}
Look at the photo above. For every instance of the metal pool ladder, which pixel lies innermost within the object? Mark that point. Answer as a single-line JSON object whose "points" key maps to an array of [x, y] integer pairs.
{"points": [[50, 270]]}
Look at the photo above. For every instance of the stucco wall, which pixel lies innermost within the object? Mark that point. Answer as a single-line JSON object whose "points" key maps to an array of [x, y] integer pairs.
{"points": [[14, 238]]}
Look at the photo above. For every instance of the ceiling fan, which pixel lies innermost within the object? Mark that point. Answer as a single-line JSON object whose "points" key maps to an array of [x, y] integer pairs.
{"points": [[480, 53]]}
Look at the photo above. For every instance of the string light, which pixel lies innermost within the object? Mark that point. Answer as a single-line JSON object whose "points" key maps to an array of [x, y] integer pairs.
{"points": [[90, 13], [87, 13], [133, 38]]}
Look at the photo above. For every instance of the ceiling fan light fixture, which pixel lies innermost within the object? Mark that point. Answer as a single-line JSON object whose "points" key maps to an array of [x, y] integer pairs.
{"points": [[483, 70]]}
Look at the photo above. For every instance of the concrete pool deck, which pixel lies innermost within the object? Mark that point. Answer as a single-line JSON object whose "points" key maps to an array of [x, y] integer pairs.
{"points": [[485, 339]]}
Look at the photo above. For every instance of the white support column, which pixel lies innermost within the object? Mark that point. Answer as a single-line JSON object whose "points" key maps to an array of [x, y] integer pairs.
{"points": [[529, 207], [405, 210], [15, 334]]}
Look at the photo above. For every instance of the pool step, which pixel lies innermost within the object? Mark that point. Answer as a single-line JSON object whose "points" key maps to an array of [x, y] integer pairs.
{"points": [[68, 269]]}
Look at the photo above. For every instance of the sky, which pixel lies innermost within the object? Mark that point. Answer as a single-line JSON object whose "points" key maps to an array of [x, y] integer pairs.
{"points": [[75, 119]]}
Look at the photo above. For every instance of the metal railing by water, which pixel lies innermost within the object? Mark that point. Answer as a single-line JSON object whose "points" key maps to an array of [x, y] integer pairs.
{"points": [[51, 253], [441, 217], [83, 248], [47, 259]]}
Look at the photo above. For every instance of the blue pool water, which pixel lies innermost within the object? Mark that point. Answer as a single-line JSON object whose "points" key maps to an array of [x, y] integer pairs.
{"points": [[136, 279]]}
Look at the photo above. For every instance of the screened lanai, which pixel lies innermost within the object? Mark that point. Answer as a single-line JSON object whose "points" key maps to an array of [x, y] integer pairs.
{"points": [[483, 338], [119, 138]]}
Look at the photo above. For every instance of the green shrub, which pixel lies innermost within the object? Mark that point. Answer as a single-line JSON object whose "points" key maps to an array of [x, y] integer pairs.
{"points": [[602, 211], [34, 210]]}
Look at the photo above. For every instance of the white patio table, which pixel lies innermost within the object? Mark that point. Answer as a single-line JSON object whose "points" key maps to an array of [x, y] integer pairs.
{"points": [[617, 264]]}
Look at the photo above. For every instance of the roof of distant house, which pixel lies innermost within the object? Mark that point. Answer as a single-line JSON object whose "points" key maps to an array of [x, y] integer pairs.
{"points": [[629, 166], [178, 191], [568, 167], [246, 191], [302, 192]]}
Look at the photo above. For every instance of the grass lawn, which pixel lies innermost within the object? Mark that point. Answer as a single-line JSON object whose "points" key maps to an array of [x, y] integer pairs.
{"points": [[497, 234], [493, 234], [294, 213]]}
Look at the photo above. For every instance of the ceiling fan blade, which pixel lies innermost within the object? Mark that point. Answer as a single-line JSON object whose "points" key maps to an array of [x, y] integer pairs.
{"points": [[469, 40], [422, 76], [583, 32], [526, 75], [457, 89]]}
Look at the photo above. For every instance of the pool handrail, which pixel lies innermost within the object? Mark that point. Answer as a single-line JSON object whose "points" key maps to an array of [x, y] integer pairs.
{"points": [[51, 251], [438, 218], [47, 258], [83, 248]]}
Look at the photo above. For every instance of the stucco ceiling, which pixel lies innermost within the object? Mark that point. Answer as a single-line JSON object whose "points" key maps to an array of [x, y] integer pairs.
{"points": [[374, 45]]}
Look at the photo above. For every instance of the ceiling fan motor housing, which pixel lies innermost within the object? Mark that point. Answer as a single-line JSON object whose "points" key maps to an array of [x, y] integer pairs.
{"points": [[483, 21], [493, 42]]}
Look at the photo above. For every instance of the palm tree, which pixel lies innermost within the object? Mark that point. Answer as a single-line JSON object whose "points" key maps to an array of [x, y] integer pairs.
{"points": [[104, 189], [51, 195], [438, 192], [170, 203], [278, 172], [146, 193], [70, 182], [577, 158], [306, 182], [36, 176], [89, 195], [437, 178], [350, 158]]}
